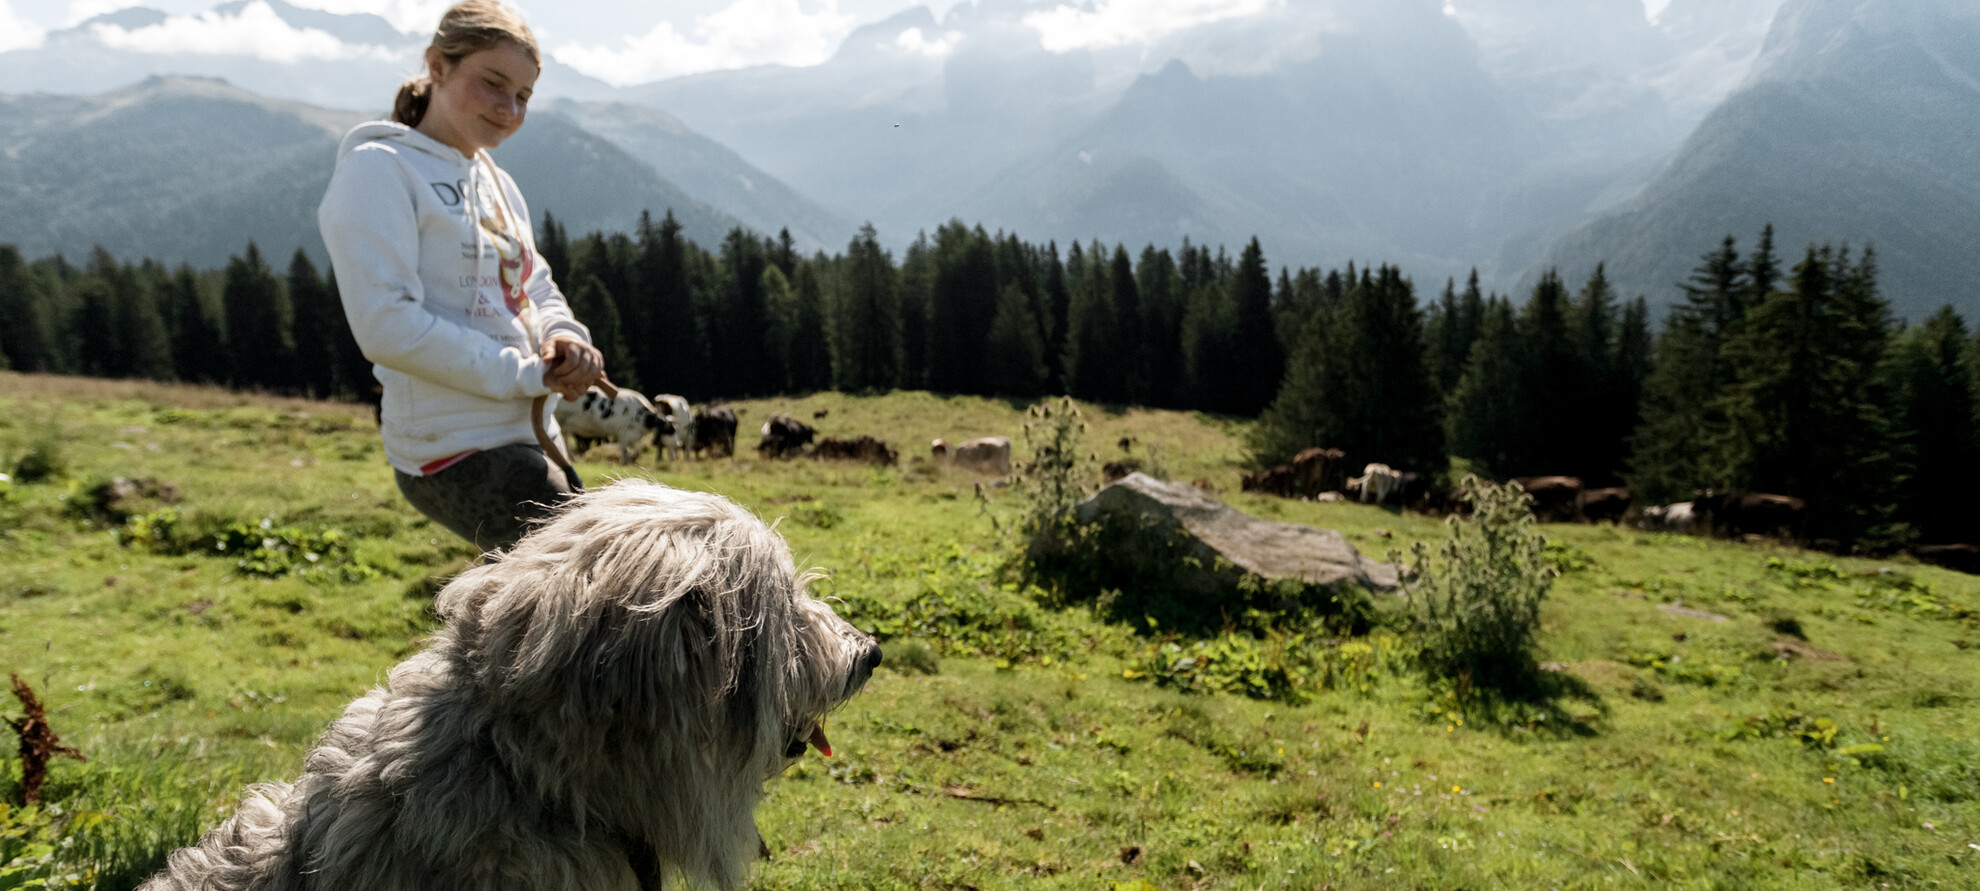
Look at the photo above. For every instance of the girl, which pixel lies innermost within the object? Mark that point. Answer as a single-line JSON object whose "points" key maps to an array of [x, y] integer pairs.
{"points": [[437, 267]]}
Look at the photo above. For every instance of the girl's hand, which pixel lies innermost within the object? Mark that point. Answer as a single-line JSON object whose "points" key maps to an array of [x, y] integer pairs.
{"points": [[571, 366]]}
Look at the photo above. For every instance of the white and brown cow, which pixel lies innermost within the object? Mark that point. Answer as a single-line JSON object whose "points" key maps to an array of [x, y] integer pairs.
{"points": [[985, 454]]}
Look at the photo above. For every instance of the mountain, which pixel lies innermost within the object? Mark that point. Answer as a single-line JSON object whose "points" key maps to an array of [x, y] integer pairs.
{"points": [[709, 170], [1857, 125], [189, 169]]}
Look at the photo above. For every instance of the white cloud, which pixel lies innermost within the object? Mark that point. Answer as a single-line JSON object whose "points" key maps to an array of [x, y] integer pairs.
{"points": [[16, 32], [913, 41], [744, 33], [1112, 23], [255, 31]]}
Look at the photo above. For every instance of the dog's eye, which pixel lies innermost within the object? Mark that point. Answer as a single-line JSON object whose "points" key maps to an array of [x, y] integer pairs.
{"points": [[795, 749]]}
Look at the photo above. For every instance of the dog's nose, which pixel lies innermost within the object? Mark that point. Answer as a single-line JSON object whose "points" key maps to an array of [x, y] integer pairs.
{"points": [[872, 660]]}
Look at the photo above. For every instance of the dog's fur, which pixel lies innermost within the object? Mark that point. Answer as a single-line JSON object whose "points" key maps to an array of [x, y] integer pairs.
{"points": [[601, 710]]}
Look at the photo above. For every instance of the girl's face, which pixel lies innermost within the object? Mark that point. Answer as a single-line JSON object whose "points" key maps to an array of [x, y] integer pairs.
{"points": [[480, 100]]}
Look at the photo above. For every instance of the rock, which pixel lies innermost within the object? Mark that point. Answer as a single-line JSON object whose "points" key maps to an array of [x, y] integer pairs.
{"points": [[1156, 515]]}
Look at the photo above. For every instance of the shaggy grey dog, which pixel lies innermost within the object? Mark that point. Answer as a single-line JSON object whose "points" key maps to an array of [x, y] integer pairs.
{"points": [[601, 710]]}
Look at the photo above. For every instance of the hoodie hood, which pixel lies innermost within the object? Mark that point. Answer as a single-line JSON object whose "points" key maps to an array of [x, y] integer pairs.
{"points": [[403, 135]]}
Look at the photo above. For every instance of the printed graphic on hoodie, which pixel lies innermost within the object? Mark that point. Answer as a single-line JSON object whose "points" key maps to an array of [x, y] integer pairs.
{"points": [[517, 262]]}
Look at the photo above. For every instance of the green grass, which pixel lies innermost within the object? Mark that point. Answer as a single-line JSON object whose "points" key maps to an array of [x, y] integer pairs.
{"points": [[1020, 746]]}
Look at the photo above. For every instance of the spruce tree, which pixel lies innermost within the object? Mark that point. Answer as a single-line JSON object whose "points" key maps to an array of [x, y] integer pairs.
{"points": [[1014, 354], [916, 289], [866, 320], [1056, 296], [1936, 416], [1209, 342], [1550, 384], [961, 303], [591, 302], [1092, 359], [810, 356], [28, 335], [672, 354], [316, 349], [1359, 383], [1486, 416], [256, 306], [1134, 360], [1160, 288], [1260, 363]]}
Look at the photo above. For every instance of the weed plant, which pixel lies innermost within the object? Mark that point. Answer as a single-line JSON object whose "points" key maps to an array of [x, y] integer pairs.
{"points": [[1476, 608]]}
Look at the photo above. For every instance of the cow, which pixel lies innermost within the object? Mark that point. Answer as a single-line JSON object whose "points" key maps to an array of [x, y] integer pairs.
{"points": [[986, 454], [625, 419], [1604, 505], [1318, 470], [715, 431], [1956, 557], [1750, 513], [784, 436], [1379, 483], [1677, 517], [1275, 480], [859, 448], [677, 443], [1555, 498]]}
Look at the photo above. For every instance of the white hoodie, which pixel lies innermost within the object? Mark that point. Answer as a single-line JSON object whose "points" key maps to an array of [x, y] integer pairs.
{"points": [[436, 262]]}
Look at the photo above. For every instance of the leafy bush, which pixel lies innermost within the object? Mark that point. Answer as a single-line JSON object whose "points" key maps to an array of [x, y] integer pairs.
{"points": [[259, 549], [1283, 667], [1476, 611], [1058, 473]]}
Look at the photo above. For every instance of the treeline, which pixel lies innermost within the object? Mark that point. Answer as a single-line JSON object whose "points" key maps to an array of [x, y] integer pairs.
{"points": [[1763, 378]]}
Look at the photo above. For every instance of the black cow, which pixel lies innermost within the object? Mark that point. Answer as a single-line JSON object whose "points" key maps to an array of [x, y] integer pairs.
{"points": [[715, 431], [1956, 557], [784, 436]]}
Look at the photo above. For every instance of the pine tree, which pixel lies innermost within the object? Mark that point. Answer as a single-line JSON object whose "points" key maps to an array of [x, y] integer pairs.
{"points": [[1486, 416], [1359, 383], [28, 334], [1014, 354], [1802, 408], [258, 341], [866, 321], [1057, 299], [783, 332], [672, 357], [1550, 383], [1133, 360], [811, 359], [961, 303], [1160, 288], [592, 303], [316, 350], [917, 285], [1092, 360], [1209, 344], [1607, 414], [1260, 363], [1937, 415]]}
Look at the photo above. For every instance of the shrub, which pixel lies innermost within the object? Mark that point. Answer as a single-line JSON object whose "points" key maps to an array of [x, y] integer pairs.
{"points": [[1476, 611], [1058, 473]]}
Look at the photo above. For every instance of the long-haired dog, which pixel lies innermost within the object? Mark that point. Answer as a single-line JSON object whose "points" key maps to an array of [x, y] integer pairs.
{"points": [[600, 710]]}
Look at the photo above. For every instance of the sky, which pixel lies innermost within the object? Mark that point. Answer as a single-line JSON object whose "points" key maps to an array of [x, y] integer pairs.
{"points": [[631, 41]]}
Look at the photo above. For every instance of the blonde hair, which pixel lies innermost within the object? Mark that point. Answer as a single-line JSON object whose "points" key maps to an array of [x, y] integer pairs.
{"points": [[465, 28]]}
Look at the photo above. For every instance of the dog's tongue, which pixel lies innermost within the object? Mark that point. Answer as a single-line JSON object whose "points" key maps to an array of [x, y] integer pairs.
{"points": [[819, 742]]}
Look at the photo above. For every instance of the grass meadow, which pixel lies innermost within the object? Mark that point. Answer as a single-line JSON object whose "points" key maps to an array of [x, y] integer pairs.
{"points": [[1755, 716]]}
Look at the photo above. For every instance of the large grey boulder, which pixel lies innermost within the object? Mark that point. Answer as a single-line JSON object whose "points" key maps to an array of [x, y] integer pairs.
{"points": [[1141, 517]]}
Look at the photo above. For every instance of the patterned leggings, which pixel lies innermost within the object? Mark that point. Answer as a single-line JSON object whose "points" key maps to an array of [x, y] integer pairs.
{"points": [[491, 497]]}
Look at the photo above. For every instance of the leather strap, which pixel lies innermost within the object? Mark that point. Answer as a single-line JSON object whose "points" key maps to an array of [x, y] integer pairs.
{"points": [[555, 448]]}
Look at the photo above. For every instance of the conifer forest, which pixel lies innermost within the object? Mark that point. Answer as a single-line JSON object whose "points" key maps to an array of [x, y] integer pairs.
{"points": [[1775, 371]]}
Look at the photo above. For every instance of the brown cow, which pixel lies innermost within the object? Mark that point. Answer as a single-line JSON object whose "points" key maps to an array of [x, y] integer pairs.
{"points": [[1604, 505], [1554, 497], [985, 454], [1956, 557], [859, 448], [1274, 480], [1318, 470], [1750, 513]]}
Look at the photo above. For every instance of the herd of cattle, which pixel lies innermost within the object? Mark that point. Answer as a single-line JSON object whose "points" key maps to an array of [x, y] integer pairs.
{"points": [[1316, 474], [679, 432], [1321, 475]]}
